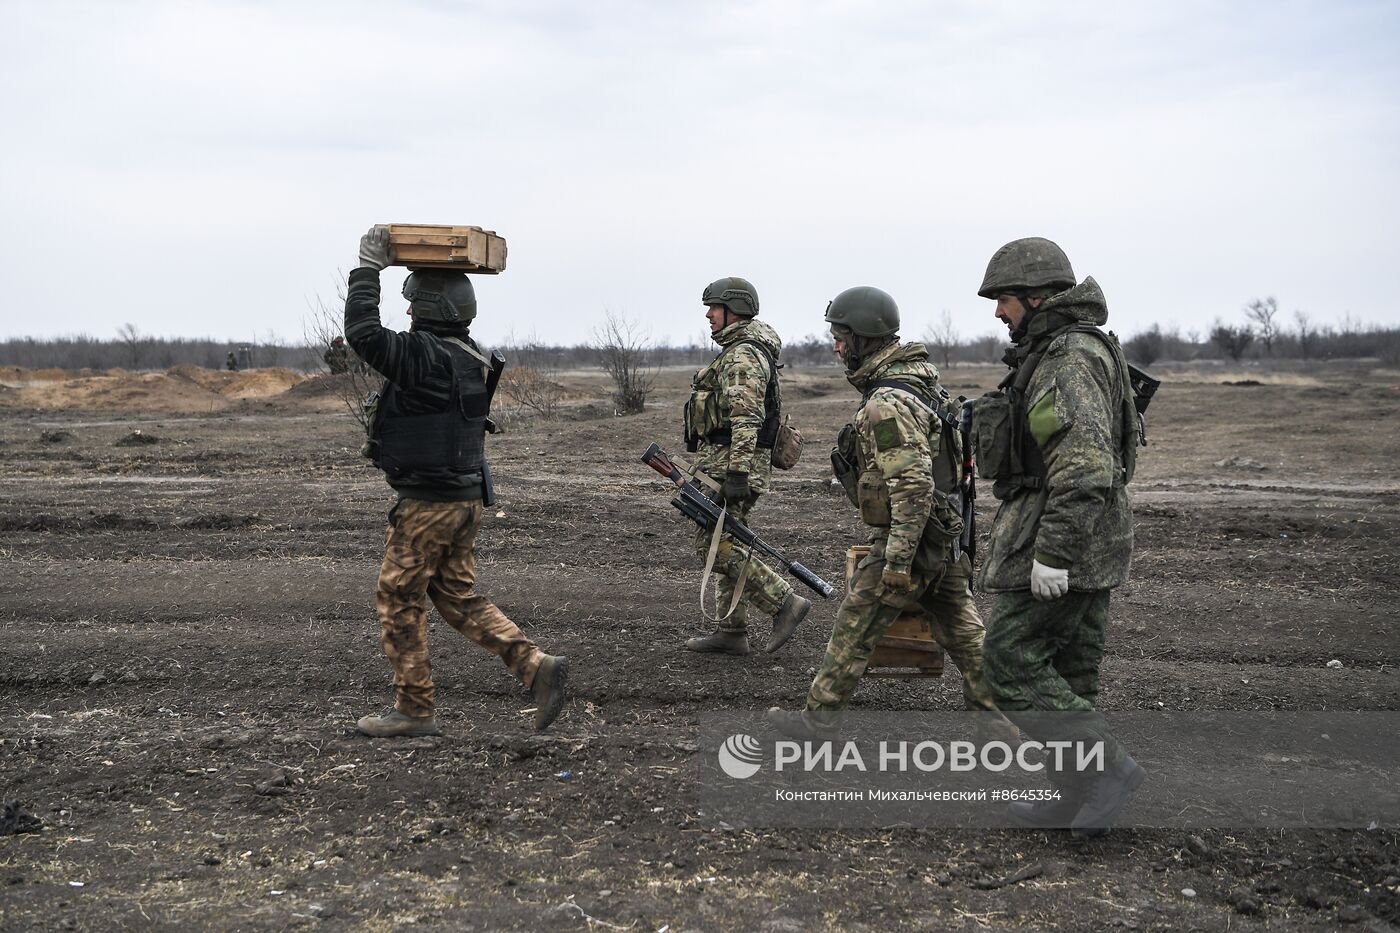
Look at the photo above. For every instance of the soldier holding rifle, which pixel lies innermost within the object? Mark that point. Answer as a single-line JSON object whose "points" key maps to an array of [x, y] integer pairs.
{"points": [[732, 420]]}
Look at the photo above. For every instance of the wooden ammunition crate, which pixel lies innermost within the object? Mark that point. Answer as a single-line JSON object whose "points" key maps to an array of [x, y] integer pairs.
{"points": [[908, 649], [439, 246]]}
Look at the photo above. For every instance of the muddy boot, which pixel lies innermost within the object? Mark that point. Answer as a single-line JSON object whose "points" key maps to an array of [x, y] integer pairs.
{"points": [[806, 725], [793, 610], [1047, 814], [394, 723], [548, 689], [720, 641], [1106, 798]]}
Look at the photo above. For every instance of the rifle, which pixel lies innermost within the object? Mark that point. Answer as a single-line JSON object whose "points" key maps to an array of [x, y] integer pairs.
{"points": [[705, 512], [493, 378], [968, 483]]}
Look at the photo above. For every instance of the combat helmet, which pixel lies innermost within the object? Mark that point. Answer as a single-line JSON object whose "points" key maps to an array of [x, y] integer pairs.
{"points": [[440, 295], [1030, 262], [866, 310], [731, 292]]}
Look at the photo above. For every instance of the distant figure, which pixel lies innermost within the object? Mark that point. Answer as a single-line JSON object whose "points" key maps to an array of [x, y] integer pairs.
{"points": [[337, 357], [231, 362]]}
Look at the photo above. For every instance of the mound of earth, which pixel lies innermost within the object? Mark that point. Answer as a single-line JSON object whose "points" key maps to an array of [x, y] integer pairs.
{"points": [[180, 389]]}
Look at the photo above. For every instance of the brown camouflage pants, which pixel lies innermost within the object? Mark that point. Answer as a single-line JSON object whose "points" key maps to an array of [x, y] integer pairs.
{"points": [[763, 588], [429, 555], [867, 612]]}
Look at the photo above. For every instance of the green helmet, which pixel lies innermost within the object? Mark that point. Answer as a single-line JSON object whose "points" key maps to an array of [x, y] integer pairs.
{"points": [[1031, 262], [440, 295], [734, 293], [866, 310]]}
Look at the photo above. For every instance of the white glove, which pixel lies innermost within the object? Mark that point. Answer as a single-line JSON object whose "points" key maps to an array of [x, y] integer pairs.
{"points": [[374, 248], [1048, 583]]}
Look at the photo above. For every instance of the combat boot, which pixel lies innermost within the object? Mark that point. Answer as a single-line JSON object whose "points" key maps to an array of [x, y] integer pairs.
{"points": [[720, 641], [1048, 814], [548, 689], [790, 614], [805, 725], [1107, 797], [394, 723]]}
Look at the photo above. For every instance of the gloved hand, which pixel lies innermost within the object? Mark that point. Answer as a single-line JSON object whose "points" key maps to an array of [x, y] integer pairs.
{"points": [[374, 248], [1048, 583], [736, 487], [897, 579]]}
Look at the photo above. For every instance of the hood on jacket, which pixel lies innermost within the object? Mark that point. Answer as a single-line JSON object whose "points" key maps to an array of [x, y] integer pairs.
{"points": [[749, 329], [1082, 303], [907, 362]]}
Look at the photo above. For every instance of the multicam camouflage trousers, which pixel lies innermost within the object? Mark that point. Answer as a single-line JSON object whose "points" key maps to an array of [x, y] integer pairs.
{"points": [[1042, 665], [763, 588], [867, 612], [429, 554]]}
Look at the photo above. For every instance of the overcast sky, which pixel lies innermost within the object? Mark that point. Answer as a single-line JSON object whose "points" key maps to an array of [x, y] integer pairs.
{"points": [[206, 168]]}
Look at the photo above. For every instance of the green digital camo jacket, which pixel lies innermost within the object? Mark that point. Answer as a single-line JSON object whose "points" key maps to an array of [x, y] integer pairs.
{"points": [[730, 391], [1082, 519], [899, 440]]}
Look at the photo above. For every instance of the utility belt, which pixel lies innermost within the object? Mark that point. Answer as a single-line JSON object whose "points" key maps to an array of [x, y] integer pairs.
{"points": [[723, 437]]}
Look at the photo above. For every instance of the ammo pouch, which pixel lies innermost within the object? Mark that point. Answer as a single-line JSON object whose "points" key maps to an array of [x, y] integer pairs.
{"points": [[873, 497], [787, 446], [845, 462], [945, 524], [991, 434]]}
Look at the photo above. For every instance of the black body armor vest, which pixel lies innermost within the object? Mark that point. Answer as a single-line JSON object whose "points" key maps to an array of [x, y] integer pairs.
{"points": [[421, 448]]}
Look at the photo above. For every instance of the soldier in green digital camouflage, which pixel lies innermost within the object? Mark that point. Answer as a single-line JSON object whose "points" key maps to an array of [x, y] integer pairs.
{"points": [[1059, 437], [732, 420], [899, 462]]}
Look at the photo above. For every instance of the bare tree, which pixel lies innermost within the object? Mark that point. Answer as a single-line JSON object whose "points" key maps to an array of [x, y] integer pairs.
{"points": [[272, 349], [1307, 335], [624, 352], [988, 348], [1263, 313], [942, 336], [531, 381], [321, 325], [1146, 347], [135, 343], [1232, 341]]}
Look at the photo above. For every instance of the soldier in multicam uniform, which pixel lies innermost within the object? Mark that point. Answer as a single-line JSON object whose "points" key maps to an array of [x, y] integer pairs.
{"points": [[1059, 437], [428, 435], [337, 356], [898, 462], [732, 418]]}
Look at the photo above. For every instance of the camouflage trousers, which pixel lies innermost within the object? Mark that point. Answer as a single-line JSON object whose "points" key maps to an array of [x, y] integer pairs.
{"points": [[1042, 664], [867, 612], [763, 588], [429, 555]]}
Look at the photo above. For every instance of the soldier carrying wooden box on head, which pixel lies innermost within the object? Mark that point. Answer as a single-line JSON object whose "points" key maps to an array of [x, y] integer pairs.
{"points": [[428, 435]]}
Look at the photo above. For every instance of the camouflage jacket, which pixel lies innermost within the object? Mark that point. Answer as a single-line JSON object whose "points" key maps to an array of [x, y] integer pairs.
{"points": [[1081, 519], [900, 443], [729, 393]]}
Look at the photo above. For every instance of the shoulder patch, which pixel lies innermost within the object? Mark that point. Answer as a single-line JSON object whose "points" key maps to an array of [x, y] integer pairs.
{"points": [[1044, 423], [887, 434]]}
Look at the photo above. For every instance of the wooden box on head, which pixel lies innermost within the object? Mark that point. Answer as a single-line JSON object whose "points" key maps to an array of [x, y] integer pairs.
{"points": [[443, 246]]}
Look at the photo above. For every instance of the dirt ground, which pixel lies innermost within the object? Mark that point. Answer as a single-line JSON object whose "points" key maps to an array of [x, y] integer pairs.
{"points": [[189, 635]]}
